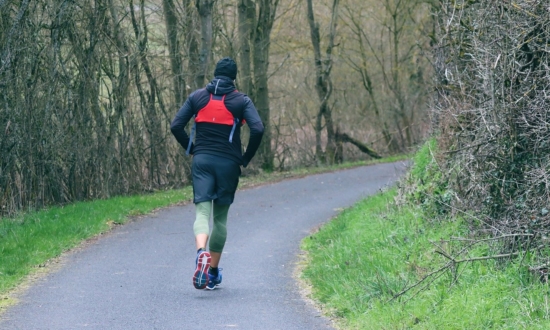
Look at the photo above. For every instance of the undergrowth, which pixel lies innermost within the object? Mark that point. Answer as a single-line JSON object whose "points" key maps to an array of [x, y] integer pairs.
{"points": [[387, 263]]}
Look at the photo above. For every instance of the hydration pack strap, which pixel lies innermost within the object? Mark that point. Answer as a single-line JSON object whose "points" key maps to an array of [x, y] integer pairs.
{"points": [[235, 122], [191, 138]]}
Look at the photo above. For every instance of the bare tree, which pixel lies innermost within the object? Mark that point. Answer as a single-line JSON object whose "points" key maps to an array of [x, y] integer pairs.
{"points": [[324, 88], [255, 25], [323, 84], [397, 68]]}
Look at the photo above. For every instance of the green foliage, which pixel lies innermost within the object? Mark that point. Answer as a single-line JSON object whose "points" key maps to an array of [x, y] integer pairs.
{"points": [[371, 252], [425, 184], [423, 161]]}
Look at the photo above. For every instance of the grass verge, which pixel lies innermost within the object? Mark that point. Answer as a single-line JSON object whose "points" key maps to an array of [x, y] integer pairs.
{"points": [[369, 253]]}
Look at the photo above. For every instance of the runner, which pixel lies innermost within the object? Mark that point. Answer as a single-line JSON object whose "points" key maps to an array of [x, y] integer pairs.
{"points": [[220, 111]]}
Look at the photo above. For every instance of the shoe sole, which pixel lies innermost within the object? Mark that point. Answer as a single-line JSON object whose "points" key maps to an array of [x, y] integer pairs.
{"points": [[214, 287], [200, 277]]}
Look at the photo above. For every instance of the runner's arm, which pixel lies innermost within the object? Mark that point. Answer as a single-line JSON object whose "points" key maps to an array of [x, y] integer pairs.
{"points": [[256, 130], [180, 121]]}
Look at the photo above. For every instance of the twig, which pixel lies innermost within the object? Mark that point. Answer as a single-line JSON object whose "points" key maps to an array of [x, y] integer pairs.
{"points": [[419, 282], [474, 217], [451, 264], [280, 66], [496, 256], [461, 239], [470, 146]]}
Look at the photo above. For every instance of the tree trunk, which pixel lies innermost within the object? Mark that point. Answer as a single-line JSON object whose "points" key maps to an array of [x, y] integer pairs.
{"points": [[171, 21], [343, 137], [174, 39], [247, 19], [262, 40], [333, 151], [204, 7], [323, 85], [261, 95], [149, 99], [121, 89]]}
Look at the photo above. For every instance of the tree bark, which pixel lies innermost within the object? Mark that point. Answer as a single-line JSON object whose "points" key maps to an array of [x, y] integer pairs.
{"points": [[247, 20], [171, 21], [343, 137], [121, 85], [204, 7], [261, 42], [323, 84], [149, 99]]}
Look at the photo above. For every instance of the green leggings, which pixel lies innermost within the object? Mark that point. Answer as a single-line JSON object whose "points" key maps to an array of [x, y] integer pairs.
{"points": [[219, 232]]}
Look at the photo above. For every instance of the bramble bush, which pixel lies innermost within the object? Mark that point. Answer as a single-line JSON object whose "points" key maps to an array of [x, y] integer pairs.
{"points": [[491, 117]]}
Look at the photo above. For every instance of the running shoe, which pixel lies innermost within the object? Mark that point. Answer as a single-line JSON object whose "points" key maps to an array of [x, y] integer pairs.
{"points": [[214, 281], [200, 277]]}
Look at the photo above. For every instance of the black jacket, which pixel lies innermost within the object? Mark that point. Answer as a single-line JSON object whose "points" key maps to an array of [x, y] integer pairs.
{"points": [[213, 138]]}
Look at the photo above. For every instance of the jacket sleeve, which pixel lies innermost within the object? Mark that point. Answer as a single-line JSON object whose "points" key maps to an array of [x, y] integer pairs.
{"points": [[256, 130], [180, 121]]}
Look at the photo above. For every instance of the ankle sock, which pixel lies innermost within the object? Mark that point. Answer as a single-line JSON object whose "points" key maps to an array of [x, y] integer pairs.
{"points": [[213, 271]]}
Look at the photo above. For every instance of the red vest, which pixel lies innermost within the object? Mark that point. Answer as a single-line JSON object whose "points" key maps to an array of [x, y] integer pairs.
{"points": [[215, 112]]}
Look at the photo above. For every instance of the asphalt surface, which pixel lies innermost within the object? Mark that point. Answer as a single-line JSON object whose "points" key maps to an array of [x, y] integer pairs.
{"points": [[139, 275]]}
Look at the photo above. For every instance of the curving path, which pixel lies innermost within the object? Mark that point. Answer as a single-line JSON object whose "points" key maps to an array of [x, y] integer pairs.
{"points": [[139, 275]]}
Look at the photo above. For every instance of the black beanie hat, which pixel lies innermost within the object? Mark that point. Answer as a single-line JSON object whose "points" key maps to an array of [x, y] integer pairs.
{"points": [[226, 67]]}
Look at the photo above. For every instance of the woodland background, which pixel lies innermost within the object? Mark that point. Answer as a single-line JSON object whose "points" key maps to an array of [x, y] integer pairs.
{"points": [[88, 89]]}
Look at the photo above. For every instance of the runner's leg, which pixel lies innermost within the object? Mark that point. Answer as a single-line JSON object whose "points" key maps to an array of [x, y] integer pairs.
{"points": [[201, 226], [219, 233]]}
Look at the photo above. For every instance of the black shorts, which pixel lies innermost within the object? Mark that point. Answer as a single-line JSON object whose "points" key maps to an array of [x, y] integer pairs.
{"points": [[215, 179]]}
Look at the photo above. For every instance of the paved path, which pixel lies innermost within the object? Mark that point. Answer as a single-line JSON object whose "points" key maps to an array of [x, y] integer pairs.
{"points": [[139, 275]]}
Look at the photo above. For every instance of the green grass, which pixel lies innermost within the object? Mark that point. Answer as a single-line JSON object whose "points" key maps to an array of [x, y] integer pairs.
{"points": [[361, 259], [358, 261]]}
